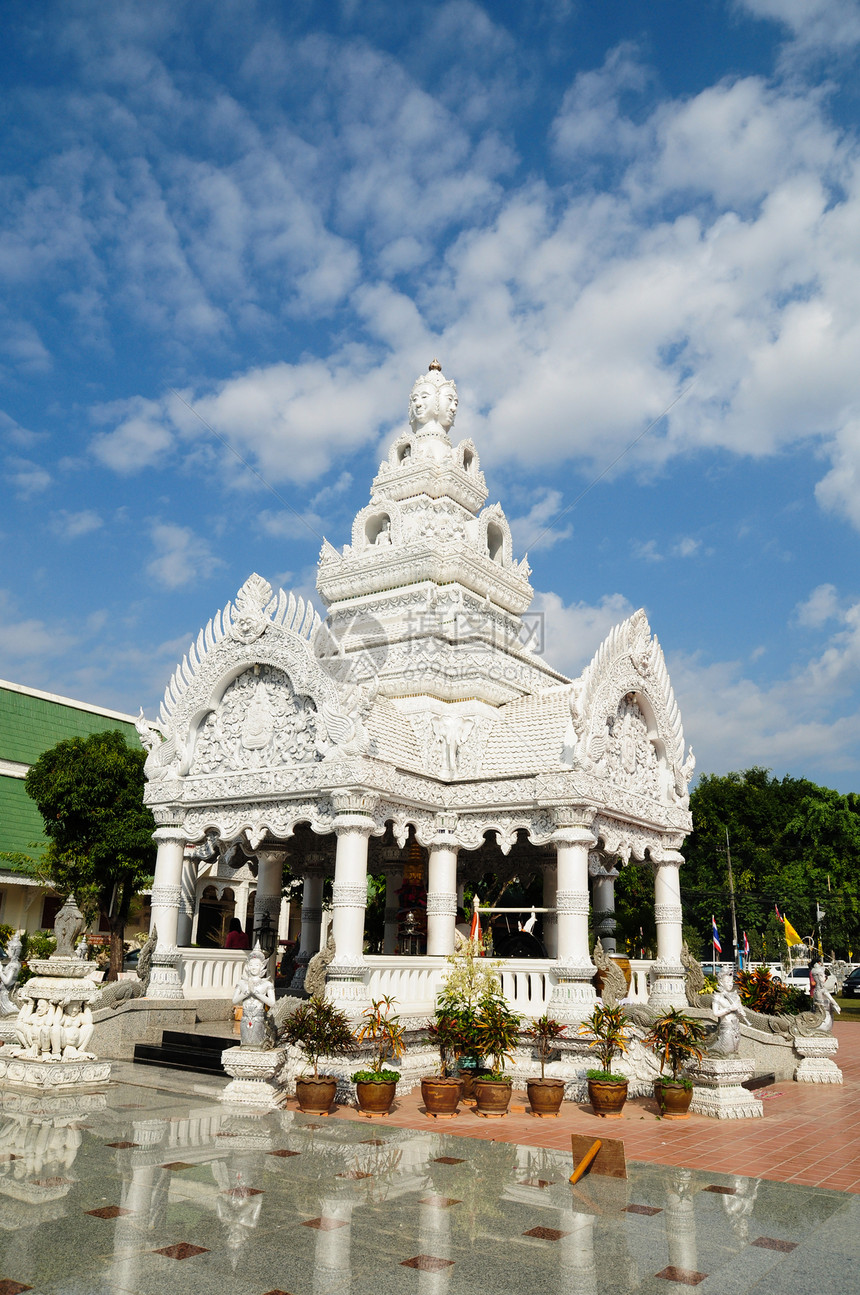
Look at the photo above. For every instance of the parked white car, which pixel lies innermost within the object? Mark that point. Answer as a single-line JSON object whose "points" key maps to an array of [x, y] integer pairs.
{"points": [[800, 977]]}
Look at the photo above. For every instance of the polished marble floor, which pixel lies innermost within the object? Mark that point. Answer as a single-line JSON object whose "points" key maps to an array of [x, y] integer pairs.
{"points": [[157, 1187]]}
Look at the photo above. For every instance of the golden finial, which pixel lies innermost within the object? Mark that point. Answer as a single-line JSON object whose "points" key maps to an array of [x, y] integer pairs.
{"points": [[434, 364]]}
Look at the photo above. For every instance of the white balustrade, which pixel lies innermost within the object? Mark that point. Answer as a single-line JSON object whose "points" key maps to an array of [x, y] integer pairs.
{"points": [[414, 983], [211, 973]]}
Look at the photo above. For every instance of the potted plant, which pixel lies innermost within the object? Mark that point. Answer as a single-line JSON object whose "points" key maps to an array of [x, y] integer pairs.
{"points": [[675, 1038], [609, 1033], [545, 1095], [441, 1093], [375, 1088], [319, 1029], [470, 982], [497, 1030]]}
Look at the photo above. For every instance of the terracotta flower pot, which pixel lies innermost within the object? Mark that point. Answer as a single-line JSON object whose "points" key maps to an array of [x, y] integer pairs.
{"points": [[468, 1078], [607, 1097], [315, 1094], [375, 1096], [545, 1097], [673, 1099], [441, 1097], [492, 1097]]}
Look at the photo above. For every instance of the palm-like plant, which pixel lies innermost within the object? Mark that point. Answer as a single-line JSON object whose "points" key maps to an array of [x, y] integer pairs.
{"points": [[610, 1033], [453, 1036], [675, 1038], [383, 1028], [319, 1029], [543, 1033], [497, 1030]]}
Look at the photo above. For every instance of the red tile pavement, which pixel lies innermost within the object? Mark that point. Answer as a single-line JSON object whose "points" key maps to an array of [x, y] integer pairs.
{"points": [[810, 1133]]}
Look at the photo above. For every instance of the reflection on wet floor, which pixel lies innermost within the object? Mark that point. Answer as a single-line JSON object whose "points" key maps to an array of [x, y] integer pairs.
{"points": [[156, 1185]]}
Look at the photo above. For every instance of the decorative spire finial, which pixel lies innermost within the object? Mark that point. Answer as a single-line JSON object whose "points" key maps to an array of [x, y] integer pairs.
{"points": [[434, 364]]}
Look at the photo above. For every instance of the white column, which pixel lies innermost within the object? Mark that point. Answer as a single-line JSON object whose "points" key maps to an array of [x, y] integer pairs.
{"points": [[353, 825], [392, 867], [164, 981], [667, 988], [393, 882], [270, 883], [241, 909], [604, 877], [550, 920], [572, 996], [309, 940], [441, 894], [187, 888]]}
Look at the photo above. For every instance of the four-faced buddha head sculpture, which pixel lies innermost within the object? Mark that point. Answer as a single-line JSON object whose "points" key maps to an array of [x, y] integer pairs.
{"points": [[433, 402]]}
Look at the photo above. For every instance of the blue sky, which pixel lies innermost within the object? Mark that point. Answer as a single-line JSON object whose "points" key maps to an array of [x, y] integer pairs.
{"points": [[587, 210]]}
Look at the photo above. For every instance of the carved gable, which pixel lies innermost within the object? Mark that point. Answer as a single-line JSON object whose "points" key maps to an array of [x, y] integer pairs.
{"points": [[260, 722]]}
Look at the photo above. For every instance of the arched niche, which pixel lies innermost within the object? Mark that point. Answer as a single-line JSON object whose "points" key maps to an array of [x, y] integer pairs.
{"points": [[377, 529], [495, 542]]}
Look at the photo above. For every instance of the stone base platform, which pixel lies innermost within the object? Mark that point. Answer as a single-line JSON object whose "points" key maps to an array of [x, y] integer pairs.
{"points": [[718, 1091], [256, 1077], [817, 1065], [52, 1076]]}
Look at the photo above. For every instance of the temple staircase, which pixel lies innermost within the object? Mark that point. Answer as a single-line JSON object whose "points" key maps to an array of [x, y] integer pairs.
{"points": [[179, 1050]]}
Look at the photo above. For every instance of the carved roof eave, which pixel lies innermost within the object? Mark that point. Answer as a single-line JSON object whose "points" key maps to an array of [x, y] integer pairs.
{"points": [[437, 481], [503, 805], [413, 563]]}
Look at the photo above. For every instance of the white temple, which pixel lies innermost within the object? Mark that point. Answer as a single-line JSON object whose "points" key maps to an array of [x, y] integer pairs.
{"points": [[417, 712]]}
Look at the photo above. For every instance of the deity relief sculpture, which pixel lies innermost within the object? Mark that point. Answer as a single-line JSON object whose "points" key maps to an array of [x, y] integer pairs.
{"points": [[10, 970], [822, 1000], [729, 1011], [451, 731], [256, 992]]}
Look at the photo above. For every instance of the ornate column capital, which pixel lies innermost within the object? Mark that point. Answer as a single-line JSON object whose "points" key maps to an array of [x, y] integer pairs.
{"points": [[173, 834], [354, 810], [601, 867], [352, 800], [666, 858], [574, 825], [271, 857]]}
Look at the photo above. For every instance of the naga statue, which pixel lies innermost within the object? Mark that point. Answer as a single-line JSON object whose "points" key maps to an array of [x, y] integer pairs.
{"points": [[121, 991], [614, 986], [315, 975]]}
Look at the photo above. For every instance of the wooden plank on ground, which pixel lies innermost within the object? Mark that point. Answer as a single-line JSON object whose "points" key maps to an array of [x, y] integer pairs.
{"points": [[610, 1160]]}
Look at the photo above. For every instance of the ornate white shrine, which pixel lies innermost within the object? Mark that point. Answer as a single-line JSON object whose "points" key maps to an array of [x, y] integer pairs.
{"points": [[417, 711]]}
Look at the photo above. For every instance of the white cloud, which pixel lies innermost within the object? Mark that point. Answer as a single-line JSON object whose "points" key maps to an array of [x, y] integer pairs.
{"points": [[27, 640], [573, 633], [27, 477], [687, 547], [821, 606], [71, 525], [538, 528], [814, 24], [140, 438], [180, 556], [646, 551]]}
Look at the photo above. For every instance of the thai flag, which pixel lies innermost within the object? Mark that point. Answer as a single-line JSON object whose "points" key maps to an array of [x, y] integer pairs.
{"points": [[746, 946], [715, 935]]}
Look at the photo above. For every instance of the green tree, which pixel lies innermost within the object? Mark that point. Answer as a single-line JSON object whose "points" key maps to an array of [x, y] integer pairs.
{"points": [[794, 844], [89, 792]]}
